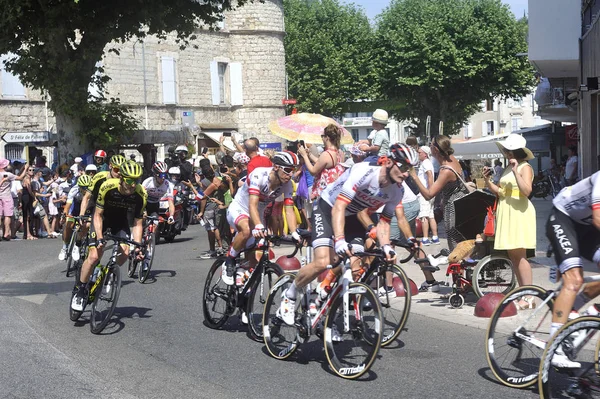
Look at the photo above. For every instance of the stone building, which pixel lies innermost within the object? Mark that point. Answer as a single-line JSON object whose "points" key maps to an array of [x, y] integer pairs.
{"points": [[231, 79]]}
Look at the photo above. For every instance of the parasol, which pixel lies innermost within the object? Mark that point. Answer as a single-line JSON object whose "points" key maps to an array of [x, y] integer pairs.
{"points": [[307, 127], [470, 212]]}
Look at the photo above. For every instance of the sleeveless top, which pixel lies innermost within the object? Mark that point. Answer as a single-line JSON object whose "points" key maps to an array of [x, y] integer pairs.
{"points": [[327, 175]]}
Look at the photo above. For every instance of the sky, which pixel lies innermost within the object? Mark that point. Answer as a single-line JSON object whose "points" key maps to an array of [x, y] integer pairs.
{"points": [[374, 7]]}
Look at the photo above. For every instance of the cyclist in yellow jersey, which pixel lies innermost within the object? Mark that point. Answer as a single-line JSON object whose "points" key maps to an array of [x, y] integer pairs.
{"points": [[91, 193], [116, 198]]}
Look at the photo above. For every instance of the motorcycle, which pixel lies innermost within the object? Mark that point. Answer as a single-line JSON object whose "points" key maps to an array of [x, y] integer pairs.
{"points": [[544, 185], [165, 230]]}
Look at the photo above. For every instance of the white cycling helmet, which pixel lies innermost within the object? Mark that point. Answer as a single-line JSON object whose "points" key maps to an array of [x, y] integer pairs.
{"points": [[174, 170], [91, 168], [181, 148]]}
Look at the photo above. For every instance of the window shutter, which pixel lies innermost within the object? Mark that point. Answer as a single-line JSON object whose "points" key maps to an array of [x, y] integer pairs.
{"points": [[494, 104], [214, 82], [235, 76], [484, 128], [469, 130], [11, 84], [169, 85], [483, 106]]}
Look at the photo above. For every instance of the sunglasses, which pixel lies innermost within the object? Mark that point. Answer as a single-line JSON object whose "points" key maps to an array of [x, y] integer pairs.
{"points": [[131, 182], [288, 171], [90, 173], [30, 170], [403, 167], [116, 170]]}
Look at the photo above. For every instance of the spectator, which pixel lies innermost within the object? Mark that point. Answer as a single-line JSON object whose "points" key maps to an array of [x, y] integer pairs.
{"points": [[572, 169], [498, 169], [53, 204], [208, 212], [240, 162], [27, 198], [38, 210], [16, 190], [77, 168], [6, 199], [186, 168], [425, 174], [251, 148], [378, 142], [515, 214]]}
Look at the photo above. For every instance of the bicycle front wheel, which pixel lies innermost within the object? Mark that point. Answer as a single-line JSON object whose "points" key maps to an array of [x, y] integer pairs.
{"points": [[146, 264], [280, 339], [515, 344], [216, 301], [395, 307], [493, 273], [578, 341], [105, 299], [352, 341], [258, 297]]}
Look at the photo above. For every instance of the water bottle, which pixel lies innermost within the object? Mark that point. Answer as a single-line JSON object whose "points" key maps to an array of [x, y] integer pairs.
{"points": [[322, 296], [239, 277], [96, 273]]}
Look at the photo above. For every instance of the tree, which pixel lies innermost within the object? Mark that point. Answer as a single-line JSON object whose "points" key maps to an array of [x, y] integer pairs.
{"points": [[443, 58], [55, 46], [328, 58]]}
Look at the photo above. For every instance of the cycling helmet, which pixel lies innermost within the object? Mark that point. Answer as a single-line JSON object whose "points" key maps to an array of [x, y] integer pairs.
{"points": [[241, 158], [84, 181], [174, 170], [100, 154], [181, 148], [285, 159], [404, 154], [131, 170], [91, 168], [159, 168], [117, 160]]}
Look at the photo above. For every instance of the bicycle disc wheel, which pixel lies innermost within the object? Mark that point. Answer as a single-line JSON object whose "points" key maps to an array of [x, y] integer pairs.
{"points": [[395, 308], [105, 299], [493, 273], [353, 354], [216, 300], [514, 345], [257, 298], [577, 339], [146, 265], [280, 339]]}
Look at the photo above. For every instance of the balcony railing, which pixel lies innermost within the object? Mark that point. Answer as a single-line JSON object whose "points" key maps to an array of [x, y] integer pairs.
{"points": [[357, 121]]}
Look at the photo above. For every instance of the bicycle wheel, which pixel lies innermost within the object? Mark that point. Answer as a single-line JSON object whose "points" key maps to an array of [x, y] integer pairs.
{"points": [[395, 308], [216, 301], [70, 266], [146, 265], [257, 298], [105, 299], [577, 339], [280, 339], [514, 345], [354, 354], [74, 315], [493, 273], [132, 264]]}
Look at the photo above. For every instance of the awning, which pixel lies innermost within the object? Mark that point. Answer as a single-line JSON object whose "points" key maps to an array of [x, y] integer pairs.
{"points": [[216, 137], [159, 137]]}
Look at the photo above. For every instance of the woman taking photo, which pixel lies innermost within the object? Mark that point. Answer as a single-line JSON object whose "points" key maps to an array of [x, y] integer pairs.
{"points": [[451, 187], [515, 214]]}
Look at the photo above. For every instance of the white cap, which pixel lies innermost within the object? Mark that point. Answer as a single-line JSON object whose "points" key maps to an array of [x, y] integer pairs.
{"points": [[78, 159]]}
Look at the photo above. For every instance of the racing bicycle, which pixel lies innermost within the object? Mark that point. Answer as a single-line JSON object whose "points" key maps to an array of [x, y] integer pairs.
{"points": [[147, 249], [73, 265]]}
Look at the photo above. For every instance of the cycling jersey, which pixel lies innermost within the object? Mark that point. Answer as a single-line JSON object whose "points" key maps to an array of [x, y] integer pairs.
{"points": [[75, 195], [97, 181], [116, 205], [359, 188], [578, 200], [157, 192]]}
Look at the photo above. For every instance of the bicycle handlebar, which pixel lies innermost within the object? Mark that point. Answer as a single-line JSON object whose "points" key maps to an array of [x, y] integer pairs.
{"points": [[122, 240]]}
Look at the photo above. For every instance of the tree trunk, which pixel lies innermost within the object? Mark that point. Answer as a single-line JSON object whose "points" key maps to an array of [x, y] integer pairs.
{"points": [[70, 145]]}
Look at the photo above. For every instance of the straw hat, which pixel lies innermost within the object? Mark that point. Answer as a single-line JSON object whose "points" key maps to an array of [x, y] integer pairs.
{"points": [[515, 142], [380, 116]]}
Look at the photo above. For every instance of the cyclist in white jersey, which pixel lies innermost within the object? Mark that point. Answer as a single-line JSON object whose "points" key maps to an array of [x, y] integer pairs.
{"points": [[364, 186], [72, 207], [246, 212], [157, 188], [573, 232]]}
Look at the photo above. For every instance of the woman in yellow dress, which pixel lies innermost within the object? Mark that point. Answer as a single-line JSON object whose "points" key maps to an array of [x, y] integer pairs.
{"points": [[515, 214]]}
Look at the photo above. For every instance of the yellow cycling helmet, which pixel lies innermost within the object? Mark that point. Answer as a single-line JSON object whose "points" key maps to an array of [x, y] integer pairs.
{"points": [[117, 160], [131, 170], [84, 180]]}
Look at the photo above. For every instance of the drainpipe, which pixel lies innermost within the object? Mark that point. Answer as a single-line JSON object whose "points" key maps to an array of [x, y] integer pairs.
{"points": [[145, 89]]}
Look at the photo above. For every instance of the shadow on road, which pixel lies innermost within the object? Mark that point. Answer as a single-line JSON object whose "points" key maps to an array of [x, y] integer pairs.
{"points": [[35, 288]]}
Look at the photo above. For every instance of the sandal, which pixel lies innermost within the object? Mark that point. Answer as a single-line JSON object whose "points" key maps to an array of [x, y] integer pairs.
{"points": [[525, 303]]}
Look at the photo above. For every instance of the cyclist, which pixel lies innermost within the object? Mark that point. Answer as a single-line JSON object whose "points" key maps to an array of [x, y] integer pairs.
{"points": [[159, 187], [366, 185], [572, 229], [99, 157], [99, 178], [72, 207], [246, 210], [116, 198]]}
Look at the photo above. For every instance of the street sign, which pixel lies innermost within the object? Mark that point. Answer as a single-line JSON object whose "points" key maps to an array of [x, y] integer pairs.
{"points": [[289, 101], [26, 137]]}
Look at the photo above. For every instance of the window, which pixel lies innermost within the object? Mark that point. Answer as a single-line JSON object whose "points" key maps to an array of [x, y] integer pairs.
{"points": [[11, 84], [355, 134], [487, 128], [489, 104], [469, 131], [226, 83], [13, 151], [169, 82], [516, 124], [222, 70]]}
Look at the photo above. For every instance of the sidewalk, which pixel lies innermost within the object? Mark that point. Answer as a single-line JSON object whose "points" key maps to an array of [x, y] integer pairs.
{"points": [[435, 306]]}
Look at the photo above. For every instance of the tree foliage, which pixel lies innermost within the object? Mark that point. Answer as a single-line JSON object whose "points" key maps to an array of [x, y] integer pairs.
{"points": [[442, 58], [56, 45], [328, 59]]}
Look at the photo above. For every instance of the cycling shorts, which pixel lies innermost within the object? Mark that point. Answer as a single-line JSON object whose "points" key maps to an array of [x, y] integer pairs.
{"points": [[120, 230], [322, 232], [152, 208], [571, 240], [235, 213]]}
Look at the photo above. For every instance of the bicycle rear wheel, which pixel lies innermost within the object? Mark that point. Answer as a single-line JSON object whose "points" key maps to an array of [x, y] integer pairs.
{"points": [[146, 264], [105, 299], [280, 339], [132, 265], [582, 382], [216, 301], [395, 308], [258, 297], [70, 265], [354, 353], [514, 345], [493, 273]]}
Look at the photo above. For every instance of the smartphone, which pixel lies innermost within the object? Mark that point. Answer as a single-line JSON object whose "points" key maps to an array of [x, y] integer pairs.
{"points": [[223, 169], [226, 134], [487, 171], [204, 150]]}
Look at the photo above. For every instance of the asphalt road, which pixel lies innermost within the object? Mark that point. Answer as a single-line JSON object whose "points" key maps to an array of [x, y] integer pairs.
{"points": [[158, 347]]}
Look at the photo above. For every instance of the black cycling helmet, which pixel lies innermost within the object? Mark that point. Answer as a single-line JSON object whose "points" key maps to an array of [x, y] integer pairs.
{"points": [[404, 154]]}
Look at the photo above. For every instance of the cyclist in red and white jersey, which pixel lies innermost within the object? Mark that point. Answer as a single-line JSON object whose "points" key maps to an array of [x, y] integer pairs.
{"points": [[159, 187], [573, 229], [335, 224], [245, 213]]}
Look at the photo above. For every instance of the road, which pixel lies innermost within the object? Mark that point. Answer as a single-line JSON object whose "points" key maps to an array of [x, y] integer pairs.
{"points": [[158, 347]]}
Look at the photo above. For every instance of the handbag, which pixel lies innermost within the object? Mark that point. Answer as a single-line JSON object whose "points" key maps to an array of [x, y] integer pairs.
{"points": [[470, 186], [490, 221]]}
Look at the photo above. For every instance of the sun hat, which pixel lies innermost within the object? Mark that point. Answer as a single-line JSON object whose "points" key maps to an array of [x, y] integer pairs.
{"points": [[515, 142], [426, 150], [380, 116], [355, 150], [4, 163]]}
